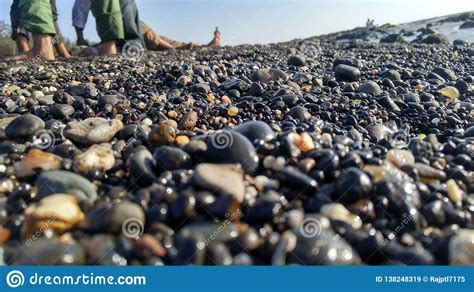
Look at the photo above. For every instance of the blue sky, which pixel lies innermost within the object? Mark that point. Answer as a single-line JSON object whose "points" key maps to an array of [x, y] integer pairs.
{"points": [[264, 21]]}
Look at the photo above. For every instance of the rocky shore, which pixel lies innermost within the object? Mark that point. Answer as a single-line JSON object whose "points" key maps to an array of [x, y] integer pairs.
{"points": [[306, 153]]}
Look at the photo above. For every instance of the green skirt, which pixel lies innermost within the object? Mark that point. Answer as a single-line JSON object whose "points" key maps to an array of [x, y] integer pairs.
{"points": [[109, 20], [37, 16]]}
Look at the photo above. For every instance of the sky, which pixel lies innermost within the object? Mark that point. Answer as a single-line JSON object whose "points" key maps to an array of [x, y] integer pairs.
{"points": [[263, 21]]}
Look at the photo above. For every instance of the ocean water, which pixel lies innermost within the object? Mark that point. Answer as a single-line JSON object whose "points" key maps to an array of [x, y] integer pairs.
{"points": [[264, 21]]}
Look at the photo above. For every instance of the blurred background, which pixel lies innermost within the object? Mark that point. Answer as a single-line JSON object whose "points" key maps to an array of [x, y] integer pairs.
{"points": [[259, 21]]}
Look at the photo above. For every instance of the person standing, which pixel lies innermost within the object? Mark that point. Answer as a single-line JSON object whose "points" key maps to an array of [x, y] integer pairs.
{"points": [[24, 20]]}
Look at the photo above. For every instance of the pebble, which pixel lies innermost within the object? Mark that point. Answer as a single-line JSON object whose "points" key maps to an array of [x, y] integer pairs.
{"points": [[347, 73], [37, 160], [171, 158], [188, 121], [400, 157], [23, 127], [97, 157], [162, 135], [58, 212], [92, 130], [228, 146], [339, 212], [450, 92], [66, 182], [461, 248], [225, 179], [296, 60], [256, 131], [370, 88]]}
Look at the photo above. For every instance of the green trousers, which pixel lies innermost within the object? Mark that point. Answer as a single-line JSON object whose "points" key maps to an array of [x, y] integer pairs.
{"points": [[37, 16], [109, 20]]}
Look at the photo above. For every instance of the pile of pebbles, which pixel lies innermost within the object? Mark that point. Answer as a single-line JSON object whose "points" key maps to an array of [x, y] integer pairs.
{"points": [[297, 153]]}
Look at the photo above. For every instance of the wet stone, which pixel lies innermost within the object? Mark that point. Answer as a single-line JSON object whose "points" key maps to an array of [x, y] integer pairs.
{"points": [[24, 127], [228, 146], [347, 73], [256, 131], [60, 181]]}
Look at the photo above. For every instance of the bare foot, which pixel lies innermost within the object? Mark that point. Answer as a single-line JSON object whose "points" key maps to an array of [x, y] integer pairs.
{"points": [[62, 51], [216, 41], [108, 48]]}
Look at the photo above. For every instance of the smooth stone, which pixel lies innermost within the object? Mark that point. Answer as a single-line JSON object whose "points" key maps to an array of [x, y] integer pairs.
{"points": [[108, 99], [256, 131], [339, 212], [322, 247], [348, 61], [225, 179], [200, 88], [227, 146], [125, 213], [24, 126], [400, 157], [50, 252], [142, 167], [188, 121], [293, 178], [426, 171], [388, 103], [455, 193], [347, 73], [37, 160], [5, 122], [299, 113], [446, 73], [296, 60], [461, 248], [269, 74], [352, 185], [65, 182], [162, 135], [172, 158], [370, 88], [450, 92], [97, 157], [58, 212], [92, 130], [378, 131], [60, 111], [84, 90], [390, 74], [147, 246]]}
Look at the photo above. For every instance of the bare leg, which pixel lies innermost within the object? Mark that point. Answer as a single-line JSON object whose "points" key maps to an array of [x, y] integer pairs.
{"points": [[22, 44], [108, 48], [42, 50], [62, 51]]}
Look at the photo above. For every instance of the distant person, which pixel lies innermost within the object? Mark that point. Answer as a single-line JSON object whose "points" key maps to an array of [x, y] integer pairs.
{"points": [[155, 42], [116, 21], [39, 18], [151, 39]]}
